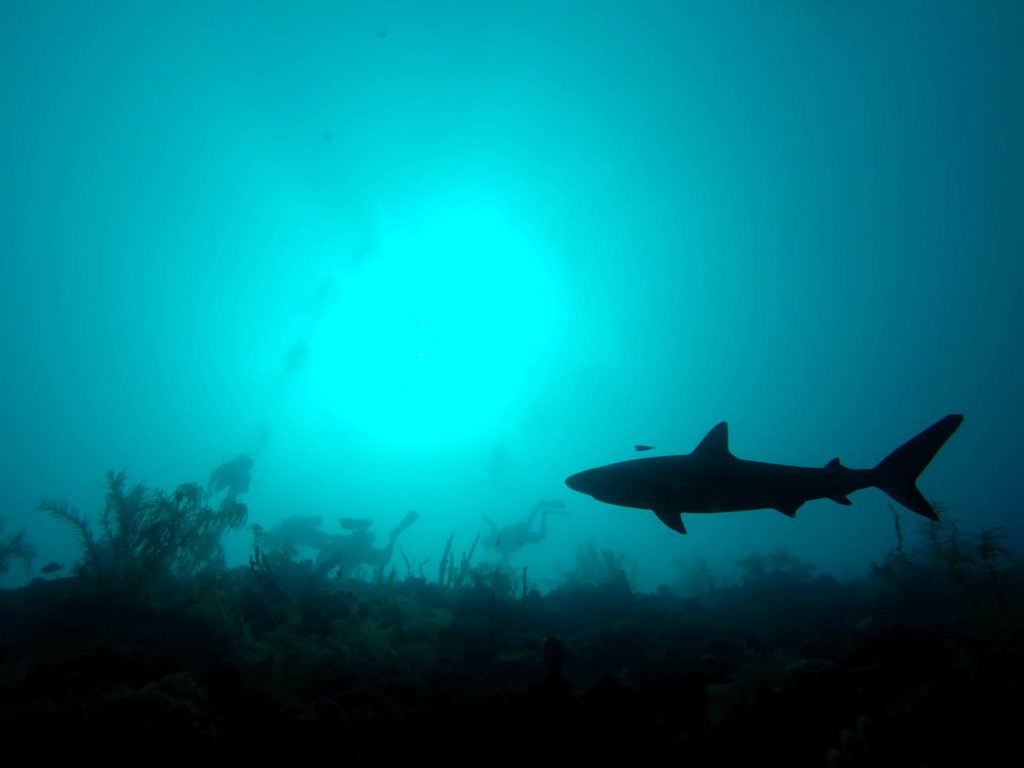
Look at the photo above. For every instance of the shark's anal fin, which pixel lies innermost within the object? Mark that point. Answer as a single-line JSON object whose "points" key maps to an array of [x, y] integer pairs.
{"points": [[673, 518], [841, 500]]}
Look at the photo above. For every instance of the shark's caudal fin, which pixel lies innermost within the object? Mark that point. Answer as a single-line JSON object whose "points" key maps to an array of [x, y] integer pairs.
{"points": [[897, 473]]}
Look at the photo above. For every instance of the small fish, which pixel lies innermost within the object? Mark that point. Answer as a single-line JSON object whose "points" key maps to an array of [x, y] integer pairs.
{"points": [[52, 567], [643, 447]]}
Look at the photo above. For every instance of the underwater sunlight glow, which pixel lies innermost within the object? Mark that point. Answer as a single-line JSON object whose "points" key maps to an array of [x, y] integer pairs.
{"points": [[435, 339]]}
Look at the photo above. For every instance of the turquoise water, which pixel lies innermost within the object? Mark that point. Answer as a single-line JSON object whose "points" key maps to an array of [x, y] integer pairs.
{"points": [[441, 256]]}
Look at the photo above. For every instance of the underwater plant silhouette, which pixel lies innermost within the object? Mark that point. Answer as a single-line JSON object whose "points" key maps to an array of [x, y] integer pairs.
{"points": [[149, 534], [980, 572], [15, 547]]}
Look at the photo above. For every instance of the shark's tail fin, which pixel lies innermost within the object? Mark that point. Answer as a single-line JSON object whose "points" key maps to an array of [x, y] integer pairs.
{"points": [[897, 473]]}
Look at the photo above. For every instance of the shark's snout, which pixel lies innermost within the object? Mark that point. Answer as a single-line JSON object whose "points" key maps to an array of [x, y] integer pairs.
{"points": [[577, 482]]}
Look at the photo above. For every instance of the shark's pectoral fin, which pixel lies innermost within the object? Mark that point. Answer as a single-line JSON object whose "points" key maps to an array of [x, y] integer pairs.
{"points": [[673, 518], [789, 509], [841, 500]]}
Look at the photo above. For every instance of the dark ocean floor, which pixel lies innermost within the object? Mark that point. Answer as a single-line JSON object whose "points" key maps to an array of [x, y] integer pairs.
{"points": [[900, 668]]}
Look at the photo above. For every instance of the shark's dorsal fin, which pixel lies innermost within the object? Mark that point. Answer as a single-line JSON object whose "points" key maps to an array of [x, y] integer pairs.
{"points": [[715, 444], [834, 464], [673, 518]]}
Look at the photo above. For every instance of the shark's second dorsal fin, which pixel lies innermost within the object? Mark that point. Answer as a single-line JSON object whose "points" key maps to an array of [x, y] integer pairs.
{"points": [[834, 464], [715, 444]]}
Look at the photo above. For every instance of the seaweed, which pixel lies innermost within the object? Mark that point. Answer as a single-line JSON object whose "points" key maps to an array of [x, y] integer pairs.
{"points": [[464, 567], [696, 577], [340, 667], [496, 578], [596, 567], [953, 565], [15, 547], [148, 534], [978, 565], [442, 568], [774, 569], [858, 747]]}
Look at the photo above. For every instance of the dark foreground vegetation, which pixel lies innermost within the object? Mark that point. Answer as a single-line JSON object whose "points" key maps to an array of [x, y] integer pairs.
{"points": [[152, 646]]}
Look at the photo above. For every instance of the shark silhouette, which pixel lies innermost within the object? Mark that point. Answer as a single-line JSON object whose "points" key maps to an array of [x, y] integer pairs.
{"points": [[711, 479]]}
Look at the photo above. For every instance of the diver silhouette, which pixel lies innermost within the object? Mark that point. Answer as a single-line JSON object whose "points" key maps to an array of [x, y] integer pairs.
{"points": [[514, 537], [346, 553], [233, 476]]}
